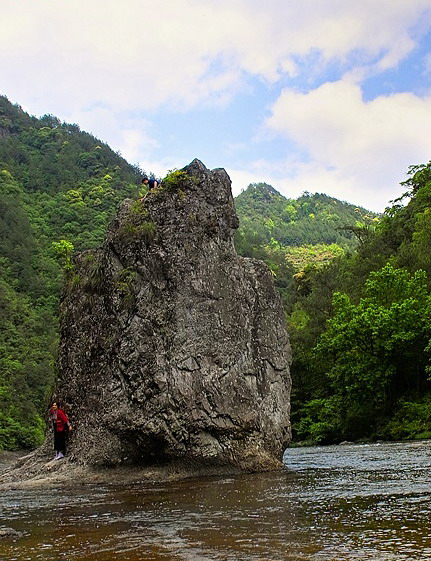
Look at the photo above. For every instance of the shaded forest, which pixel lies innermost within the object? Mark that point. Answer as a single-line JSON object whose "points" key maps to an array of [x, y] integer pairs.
{"points": [[355, 286]]}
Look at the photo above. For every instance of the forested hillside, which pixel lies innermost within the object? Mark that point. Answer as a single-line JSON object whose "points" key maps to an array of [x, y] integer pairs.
{"points": [[361, 330], [266, 215], [56, 183], [297, 236], [356, 291], [355, 287]]}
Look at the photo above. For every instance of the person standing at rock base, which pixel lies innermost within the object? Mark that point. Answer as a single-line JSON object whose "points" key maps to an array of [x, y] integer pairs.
{"points": [[61, 427]]}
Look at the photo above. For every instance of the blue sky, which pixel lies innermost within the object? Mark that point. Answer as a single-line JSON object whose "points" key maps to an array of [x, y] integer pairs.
{"points": [[329, 96]]}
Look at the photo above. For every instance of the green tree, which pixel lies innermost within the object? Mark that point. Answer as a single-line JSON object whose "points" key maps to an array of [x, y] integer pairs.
{"points": [[64, 250], [378, 350]]}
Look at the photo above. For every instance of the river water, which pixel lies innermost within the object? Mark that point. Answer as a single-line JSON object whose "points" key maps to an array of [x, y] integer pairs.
{"points": [[348, 502]]}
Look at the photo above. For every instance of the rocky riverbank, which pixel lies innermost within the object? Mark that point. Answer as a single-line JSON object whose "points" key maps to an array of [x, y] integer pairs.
{"points": [[19, 470]]}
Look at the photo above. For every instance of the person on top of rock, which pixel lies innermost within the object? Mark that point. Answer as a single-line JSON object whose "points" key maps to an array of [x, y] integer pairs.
{"points": [[61, 427], [151, 183]]}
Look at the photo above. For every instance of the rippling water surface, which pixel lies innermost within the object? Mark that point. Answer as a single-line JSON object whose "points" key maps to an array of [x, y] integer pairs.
{"points": [[358, 502]]}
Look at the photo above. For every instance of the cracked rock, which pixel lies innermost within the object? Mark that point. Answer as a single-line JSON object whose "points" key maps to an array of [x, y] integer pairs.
{"points": [[172, 346]]}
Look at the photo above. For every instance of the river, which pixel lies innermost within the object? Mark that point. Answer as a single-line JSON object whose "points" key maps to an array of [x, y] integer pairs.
{"points": [[348, 502]]}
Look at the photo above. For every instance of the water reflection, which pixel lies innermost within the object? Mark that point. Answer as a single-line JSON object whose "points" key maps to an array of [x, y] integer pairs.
{"points": [[331, 503]]}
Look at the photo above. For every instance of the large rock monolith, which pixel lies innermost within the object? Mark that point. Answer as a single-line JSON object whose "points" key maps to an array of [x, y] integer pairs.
{"points": [[174, 348]]}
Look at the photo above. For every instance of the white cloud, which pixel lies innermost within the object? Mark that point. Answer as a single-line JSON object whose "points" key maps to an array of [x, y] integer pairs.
{"points": [[355, 147], [141, 53], [135, 143]]}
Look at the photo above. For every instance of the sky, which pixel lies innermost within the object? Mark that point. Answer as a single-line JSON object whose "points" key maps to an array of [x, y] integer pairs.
{"points": [[326, 96]]}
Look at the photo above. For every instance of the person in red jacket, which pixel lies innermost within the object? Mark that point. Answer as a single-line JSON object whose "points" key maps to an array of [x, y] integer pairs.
{"points": [[61, 426]]}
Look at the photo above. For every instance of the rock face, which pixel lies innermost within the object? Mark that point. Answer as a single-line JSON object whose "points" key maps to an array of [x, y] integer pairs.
{"points": [[172, 346]]}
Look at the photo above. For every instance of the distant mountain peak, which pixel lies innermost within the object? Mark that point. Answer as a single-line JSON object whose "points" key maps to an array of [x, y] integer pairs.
{"points": [[262, 191]]}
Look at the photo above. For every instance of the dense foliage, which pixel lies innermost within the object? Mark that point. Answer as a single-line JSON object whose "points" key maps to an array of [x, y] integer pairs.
{"points": [[362, 362], [58, 185], [266, 215]]}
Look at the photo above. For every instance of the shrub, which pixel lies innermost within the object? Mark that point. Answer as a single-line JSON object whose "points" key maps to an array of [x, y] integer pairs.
{"points": [[412, 420]]}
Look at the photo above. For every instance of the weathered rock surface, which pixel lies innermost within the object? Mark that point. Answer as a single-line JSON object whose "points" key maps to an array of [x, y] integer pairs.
{"points": [[172, 346]]}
